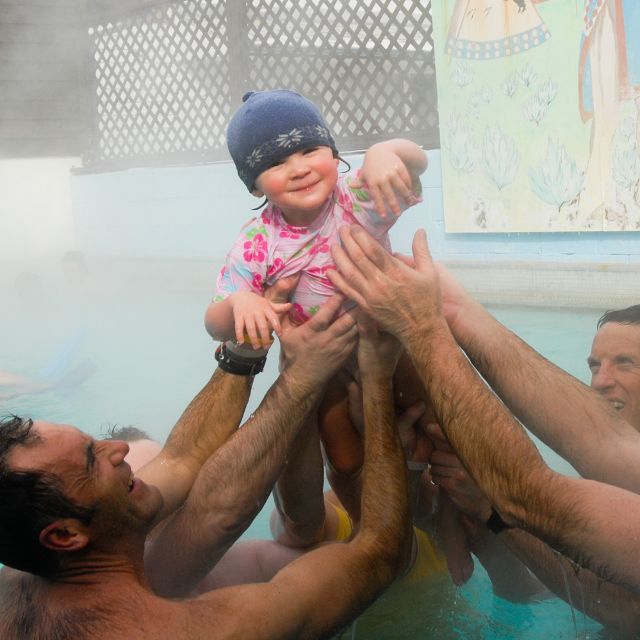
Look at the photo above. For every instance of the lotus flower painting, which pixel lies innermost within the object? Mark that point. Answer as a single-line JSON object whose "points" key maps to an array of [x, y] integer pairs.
{"points": [[539, 105]]}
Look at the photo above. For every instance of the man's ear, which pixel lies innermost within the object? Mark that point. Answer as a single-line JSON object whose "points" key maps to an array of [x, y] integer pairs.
{"points": [[64, 535]]}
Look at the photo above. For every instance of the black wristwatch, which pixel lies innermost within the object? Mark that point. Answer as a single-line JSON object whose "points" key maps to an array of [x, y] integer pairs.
{"points": [[495, 523], [239, 365]]}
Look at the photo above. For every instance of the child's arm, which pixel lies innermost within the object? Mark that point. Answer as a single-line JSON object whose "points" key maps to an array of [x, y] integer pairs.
{"points": [[390, 169], [242, 315]]}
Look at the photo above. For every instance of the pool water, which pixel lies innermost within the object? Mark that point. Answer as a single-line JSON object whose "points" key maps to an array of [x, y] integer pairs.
{"points": [[151, 355]]}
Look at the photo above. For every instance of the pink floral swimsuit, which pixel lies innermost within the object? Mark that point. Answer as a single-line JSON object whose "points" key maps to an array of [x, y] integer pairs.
{"points": [[269, 248]]}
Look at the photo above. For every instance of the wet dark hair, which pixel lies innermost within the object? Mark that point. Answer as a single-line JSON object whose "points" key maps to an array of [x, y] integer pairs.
{"points": [[630, 315], [29, 502], [128, 433]]}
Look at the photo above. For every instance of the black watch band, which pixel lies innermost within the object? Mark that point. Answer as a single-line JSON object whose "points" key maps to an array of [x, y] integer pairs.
{"points": [[237, 364], [495, 523]]}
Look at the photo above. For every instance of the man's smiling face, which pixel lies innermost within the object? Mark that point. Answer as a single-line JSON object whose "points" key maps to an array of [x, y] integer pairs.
{"points": [[615, 368]]}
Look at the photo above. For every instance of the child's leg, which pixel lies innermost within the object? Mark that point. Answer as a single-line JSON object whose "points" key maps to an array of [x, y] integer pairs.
{"points": [[453, 540], [342, 445], [449, 528], [298, 519]]}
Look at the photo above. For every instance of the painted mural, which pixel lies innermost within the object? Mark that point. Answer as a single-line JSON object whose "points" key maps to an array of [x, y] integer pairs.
{"points": [[539, 108]]}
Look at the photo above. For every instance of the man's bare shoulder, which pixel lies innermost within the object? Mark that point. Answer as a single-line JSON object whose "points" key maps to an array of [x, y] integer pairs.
{"points": [[32, 607], [37, 608]]}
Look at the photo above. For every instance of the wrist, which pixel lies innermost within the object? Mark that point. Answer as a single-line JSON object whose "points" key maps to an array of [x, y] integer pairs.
{"points": [[240, 360]]}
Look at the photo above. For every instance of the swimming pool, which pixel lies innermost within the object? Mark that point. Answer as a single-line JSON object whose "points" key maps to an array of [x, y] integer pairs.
{"points": [[151, 355]]}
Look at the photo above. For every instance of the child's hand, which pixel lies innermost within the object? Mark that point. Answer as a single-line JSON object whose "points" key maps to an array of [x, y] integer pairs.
{"points": [[255, 318], [386, 175]]}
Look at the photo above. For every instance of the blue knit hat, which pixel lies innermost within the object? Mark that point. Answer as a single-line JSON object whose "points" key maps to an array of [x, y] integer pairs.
{"points": [[271, 125]]}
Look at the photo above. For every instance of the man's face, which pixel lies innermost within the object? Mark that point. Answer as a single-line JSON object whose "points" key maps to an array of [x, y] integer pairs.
{"points": [[93, 474], [615, 368]]}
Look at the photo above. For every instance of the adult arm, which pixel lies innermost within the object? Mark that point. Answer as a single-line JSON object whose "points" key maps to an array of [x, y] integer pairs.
{"points": [[616, 608], [563, 412], [593, 523], [235, 482], [343, 577], [509, 575], [209, 419]]}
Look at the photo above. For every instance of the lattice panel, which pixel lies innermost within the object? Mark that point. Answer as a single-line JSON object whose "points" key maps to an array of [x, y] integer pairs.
{"points": [[167, 79]]}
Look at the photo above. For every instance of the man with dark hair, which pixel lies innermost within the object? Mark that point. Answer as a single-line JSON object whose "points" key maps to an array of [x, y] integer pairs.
{"points": [[93, 583], [615, 362]]}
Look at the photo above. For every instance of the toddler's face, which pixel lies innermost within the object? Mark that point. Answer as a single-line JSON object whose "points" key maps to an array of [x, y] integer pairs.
{"points": [[300, 184]]}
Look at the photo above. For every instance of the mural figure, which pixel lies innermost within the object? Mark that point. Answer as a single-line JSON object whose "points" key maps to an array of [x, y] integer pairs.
{"points": [[609, 73], [489, 29]]}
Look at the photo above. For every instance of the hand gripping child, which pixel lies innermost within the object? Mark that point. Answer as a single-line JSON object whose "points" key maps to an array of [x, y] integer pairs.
{"points": [[283, 151]]}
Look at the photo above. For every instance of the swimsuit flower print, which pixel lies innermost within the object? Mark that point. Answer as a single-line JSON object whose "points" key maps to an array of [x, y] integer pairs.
{"points": [[320, 274], [275, 268], [321, 245], [297, 314], [257, 282], [255, 249]]}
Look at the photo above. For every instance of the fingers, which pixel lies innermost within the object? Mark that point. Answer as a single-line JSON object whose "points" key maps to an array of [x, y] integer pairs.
{"points": [[408, 418], [321, 320], [359, 260], [437, 435], [280, 290], [420, 248], [445, 460]]}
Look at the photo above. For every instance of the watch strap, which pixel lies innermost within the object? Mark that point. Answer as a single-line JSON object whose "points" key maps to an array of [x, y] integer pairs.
{"points": [[237, 364]]}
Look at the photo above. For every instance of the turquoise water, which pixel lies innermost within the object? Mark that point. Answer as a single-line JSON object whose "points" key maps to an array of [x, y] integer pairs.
{"points": [[151, 355]]}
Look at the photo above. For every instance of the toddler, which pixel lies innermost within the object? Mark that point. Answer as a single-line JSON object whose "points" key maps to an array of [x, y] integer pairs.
{"points": [[284, 152]]}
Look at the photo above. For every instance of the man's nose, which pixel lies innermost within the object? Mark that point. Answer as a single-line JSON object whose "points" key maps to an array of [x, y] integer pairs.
{"points": [[119, 449], [603, 378]]}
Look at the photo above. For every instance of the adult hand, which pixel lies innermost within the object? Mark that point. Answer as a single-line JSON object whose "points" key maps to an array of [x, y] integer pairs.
{"points": [[318, 348], [398, 297], [448, 473]]}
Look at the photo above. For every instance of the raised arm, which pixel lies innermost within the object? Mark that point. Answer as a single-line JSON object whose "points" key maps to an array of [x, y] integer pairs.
{"points": [[564, 413], [593, 523], [235, 482], [390, 169], [319, 593], [211, 417]]}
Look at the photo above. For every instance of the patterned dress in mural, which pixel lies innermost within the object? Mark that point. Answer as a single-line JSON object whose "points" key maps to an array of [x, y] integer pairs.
{"points": [[490, 29], [625, 15]]}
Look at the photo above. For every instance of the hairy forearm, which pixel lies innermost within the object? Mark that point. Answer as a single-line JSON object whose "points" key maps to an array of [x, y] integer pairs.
{"points": [[348, 576], [473, 419], [231, 489], [579, 517], [563, 412], [611, 605], [211, 417], [384, 477]]}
